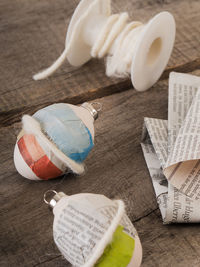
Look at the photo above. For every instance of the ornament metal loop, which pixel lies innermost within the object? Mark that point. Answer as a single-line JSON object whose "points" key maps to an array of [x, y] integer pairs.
{"points": [[92, 109], [97, 105], [49, 192]]}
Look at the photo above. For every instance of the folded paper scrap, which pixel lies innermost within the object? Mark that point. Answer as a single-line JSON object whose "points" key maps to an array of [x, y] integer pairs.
{"points": [[93, 230], [56, 139], [172, 151]]}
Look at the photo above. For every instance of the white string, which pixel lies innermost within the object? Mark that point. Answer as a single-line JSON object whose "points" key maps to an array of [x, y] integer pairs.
{"points": [[122, 38], [113, 27], [103, 35], [117, 39], [107, 236], [47, 72], [119, 61]]}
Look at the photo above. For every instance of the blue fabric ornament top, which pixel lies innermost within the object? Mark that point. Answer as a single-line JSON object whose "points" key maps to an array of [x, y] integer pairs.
{"points": [[66, 130]]}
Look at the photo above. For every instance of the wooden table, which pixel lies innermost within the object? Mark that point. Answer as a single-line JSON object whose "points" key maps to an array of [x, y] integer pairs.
{"points": [[32, 35]]}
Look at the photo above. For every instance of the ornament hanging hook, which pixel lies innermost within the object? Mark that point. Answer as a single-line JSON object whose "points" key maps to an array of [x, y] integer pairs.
{"points": [[53, 197], [97, 105], [92, 109], [48, 194]]}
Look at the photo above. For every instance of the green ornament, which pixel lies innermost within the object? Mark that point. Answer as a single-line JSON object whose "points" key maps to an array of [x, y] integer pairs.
{"points": [[119, 252]]}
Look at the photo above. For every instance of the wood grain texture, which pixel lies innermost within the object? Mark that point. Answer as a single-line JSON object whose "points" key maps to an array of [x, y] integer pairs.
{"points": [[32, 37], [115, 168], [168, 245]]}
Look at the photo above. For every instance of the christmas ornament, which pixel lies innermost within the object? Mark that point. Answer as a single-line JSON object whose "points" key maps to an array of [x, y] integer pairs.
{"points": [[54, 140], [132, 48], [92, 230]]}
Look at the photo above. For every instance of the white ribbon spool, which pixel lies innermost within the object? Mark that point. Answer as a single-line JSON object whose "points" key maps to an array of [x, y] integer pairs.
{"points": [[132, 48]]}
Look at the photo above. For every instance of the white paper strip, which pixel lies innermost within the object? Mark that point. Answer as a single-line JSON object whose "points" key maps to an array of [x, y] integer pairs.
{"points": [[173, 151]]}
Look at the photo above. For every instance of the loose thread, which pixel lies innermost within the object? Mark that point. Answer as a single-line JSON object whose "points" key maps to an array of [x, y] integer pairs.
{"points": [[117, 39], [47, 72]]}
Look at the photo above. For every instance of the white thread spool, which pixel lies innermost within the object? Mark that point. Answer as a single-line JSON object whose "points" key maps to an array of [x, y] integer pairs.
{"points": [[143, 50]]}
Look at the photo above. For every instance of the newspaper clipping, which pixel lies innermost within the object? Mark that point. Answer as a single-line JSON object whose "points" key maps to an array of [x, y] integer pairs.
{"points": [[172, 151]]}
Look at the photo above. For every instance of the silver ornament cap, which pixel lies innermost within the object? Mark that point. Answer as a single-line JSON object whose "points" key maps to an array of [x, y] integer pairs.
{"points": [[90, 107], [51, 197]]}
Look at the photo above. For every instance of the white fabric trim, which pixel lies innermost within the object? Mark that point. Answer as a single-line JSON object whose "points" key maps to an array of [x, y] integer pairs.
{"points": [[107, 236], [32, 126]]}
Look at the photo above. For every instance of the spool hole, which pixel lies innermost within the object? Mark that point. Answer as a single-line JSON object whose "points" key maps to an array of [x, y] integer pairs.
{"points": [[154, 51]]}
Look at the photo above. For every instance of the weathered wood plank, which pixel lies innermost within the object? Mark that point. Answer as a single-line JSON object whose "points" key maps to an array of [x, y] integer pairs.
{"points": [[12, 116], [32, 36], [168, 245], [115, 168]]}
